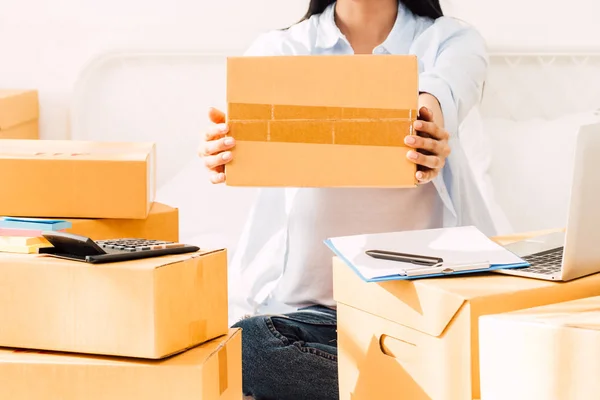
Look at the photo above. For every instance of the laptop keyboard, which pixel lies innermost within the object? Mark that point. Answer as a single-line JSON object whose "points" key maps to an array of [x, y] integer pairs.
{"points": [[547, 263]]}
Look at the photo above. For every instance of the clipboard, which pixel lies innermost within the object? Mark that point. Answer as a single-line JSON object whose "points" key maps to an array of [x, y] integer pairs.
{"points": [[456, 251]]}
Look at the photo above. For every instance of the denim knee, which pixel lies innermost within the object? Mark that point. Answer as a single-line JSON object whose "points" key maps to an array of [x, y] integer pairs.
{"points": [[275, 368]]}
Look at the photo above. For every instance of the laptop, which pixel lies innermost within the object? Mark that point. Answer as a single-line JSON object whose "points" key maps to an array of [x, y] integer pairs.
{"points": [[574, 253]]}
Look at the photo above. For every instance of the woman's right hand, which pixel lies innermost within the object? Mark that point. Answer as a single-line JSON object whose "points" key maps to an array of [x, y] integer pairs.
{"points": [[215, 148]]}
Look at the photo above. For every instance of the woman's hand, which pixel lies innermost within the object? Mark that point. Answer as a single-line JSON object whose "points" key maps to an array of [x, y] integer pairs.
{"points": [[215, 147], [430, 144]]}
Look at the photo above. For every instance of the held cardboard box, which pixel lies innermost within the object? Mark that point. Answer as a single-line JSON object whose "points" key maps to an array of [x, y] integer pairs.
{"points": [[550, 352], [149, 308], [419, 339], [71, 179], [327, 121], [212, 371], [161, 224], [19, 114]]}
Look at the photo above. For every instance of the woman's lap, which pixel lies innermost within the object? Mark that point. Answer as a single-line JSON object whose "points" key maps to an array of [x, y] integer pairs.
{"points": [[291, 356]]}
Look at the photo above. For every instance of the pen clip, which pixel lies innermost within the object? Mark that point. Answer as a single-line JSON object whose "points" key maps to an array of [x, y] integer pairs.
{"points": [[447, 269]]}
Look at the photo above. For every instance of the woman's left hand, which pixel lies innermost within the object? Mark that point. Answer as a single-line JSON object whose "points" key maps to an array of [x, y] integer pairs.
{"points": [[431, 147]]}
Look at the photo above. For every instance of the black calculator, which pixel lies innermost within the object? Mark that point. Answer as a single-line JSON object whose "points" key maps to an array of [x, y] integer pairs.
{"points": [[81, 248]]}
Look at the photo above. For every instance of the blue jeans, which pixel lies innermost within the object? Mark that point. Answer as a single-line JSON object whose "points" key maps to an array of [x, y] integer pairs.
{"points": [[291, 356]]}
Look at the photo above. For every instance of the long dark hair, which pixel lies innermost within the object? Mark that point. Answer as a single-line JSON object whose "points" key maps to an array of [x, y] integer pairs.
{"points": [[422, 8]]}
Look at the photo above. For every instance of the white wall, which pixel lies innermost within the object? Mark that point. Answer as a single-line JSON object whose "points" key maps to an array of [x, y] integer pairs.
{"points": [[44, 44]]}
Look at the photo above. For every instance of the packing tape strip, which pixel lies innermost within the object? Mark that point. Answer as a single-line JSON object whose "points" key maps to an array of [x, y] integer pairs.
{"points": [[320, 125]]}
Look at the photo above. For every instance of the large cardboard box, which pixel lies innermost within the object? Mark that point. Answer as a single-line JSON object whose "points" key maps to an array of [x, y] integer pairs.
{"points": [[19, 114], [327, 121], [71, 179], [212, 371], [419, 339], [550, 352], [148, 308], [161, 224]]}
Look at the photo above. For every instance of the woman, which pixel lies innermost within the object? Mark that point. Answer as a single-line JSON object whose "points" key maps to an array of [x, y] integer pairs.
{"points": [[282, 258]]}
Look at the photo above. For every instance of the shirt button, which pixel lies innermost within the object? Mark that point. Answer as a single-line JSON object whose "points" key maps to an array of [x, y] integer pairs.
{"points": [[379, 50]]}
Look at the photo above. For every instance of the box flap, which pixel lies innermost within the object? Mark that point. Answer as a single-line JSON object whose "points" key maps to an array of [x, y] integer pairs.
{"points": [[17, 107], [409, 303], [426, 305], [79, 150], [191, 358], [356, 81]]}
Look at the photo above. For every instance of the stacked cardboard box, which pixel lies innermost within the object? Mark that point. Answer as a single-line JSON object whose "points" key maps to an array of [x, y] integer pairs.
{"points": [[420, 339], [19, 114], [149, 329]]}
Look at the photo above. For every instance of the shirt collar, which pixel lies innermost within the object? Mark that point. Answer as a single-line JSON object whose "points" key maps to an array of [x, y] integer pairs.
{"points": [[397, 42], [328, 34]]}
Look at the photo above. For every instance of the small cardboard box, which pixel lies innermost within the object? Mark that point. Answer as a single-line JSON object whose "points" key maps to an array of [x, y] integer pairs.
{"points": [[161, 224], [19, 114], [212, 371], [148, 308], [419, 339], [327, 121], [71, 179], [550, 352]]}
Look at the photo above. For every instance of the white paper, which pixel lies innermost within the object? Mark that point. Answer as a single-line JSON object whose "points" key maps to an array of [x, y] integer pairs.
{"points": [[456, 246]]}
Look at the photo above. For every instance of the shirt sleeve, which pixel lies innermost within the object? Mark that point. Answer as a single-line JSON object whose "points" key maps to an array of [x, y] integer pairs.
{"points": [[455, 76]]}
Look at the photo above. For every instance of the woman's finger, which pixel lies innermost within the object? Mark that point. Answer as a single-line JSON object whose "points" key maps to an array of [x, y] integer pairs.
{"points": [[425, 114], [218, 146], [212, 162], [216, 132], [426, 176], [216, 116], [432, 162], [431, 129], [431, 146], [217, 177]]}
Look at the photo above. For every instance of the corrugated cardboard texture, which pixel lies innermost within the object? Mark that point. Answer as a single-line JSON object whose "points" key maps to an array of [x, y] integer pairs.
{"points": [[70, 179], [161, 224], [197, 374], [426, 314], [550, 352], [17, 107], [300, 114], [145, 308]]}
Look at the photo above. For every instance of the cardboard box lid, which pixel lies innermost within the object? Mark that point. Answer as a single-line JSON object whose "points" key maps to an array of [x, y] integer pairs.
{"points": [[79, 150], [429, 305], [139, 265], [17, 107], [193, 358], [577, 314]]}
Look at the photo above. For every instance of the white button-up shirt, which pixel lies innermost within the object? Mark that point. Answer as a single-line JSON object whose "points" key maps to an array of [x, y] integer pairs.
{"points": [[452, 67]]}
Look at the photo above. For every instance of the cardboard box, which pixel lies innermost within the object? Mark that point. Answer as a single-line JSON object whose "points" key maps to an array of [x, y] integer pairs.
{"points": [[147, 308], [550, 352], [212, 371], [161, 224], [19, 114], [70, 179], [419, 339], [327, 121]]}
